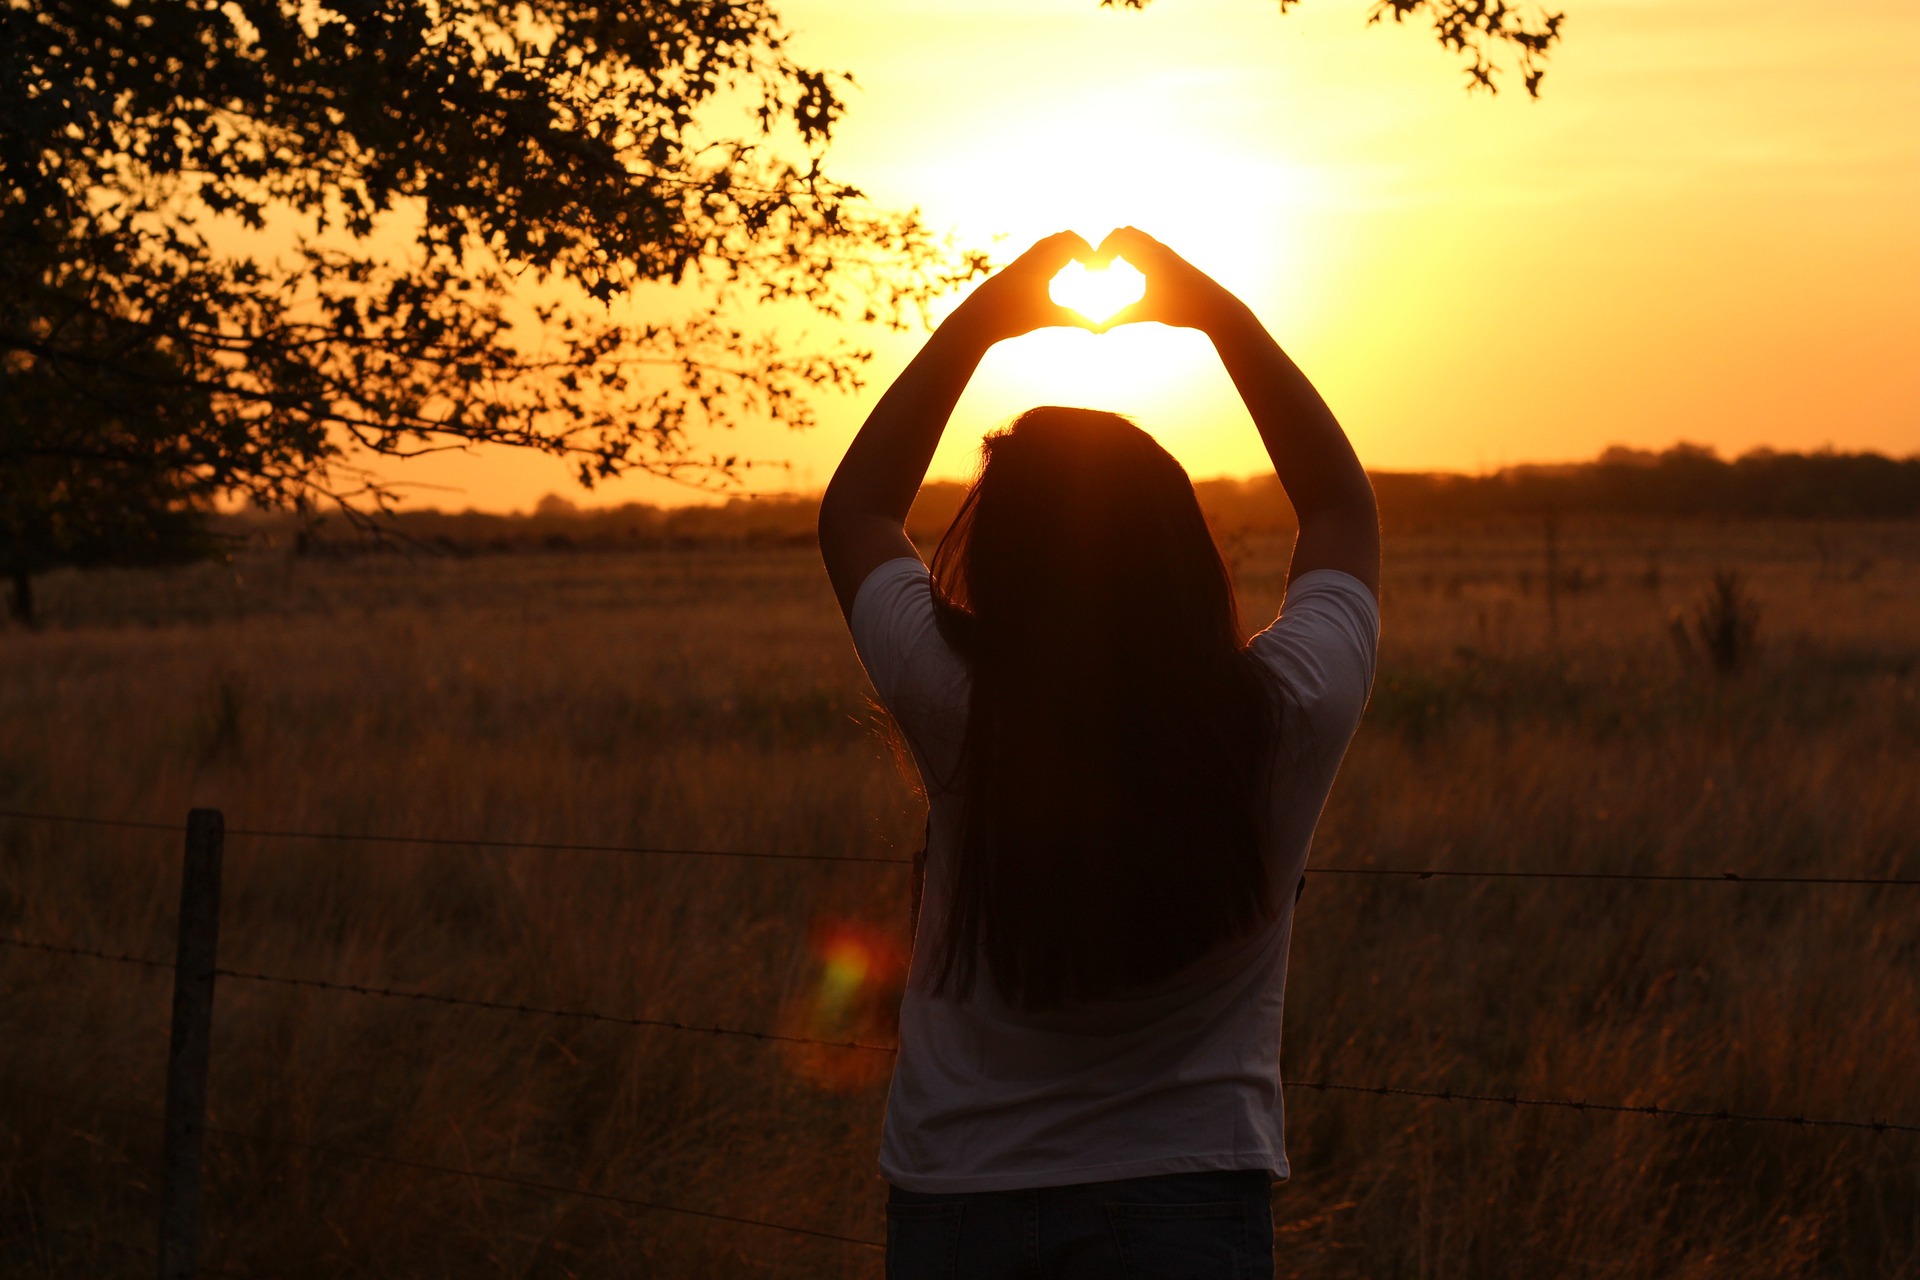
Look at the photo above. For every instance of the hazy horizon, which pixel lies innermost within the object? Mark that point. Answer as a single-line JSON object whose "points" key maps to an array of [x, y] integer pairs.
{"points": [[614, 496]]}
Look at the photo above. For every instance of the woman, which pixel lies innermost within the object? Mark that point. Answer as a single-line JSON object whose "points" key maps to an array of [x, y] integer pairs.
{"points": [[1120, 795]]}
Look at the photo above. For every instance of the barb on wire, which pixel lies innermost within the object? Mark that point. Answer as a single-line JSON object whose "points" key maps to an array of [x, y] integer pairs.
{"points": [[1620, 1108], [556, 1188], [90, 953], [582, 1015]]}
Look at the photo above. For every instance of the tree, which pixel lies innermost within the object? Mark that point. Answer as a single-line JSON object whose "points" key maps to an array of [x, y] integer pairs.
{"points": [[445, 178]]}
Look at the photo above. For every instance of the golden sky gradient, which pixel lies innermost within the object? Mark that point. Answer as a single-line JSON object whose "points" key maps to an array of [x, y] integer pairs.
{"points": [[1707, 229]]}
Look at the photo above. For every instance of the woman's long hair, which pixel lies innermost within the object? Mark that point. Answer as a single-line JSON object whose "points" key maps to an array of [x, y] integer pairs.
{"points": [[1117, 732]]}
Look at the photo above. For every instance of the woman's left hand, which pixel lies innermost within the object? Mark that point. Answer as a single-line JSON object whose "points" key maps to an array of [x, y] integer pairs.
{"points": [[1015, 300]]}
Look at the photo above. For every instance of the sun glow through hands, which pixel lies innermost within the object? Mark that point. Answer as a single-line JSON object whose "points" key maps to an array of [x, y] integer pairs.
{"points": [[1098, 292], [1064, 281]]}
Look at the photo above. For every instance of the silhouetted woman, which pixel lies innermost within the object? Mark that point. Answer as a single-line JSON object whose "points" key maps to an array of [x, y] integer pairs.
{"points": [[1121, 794]]}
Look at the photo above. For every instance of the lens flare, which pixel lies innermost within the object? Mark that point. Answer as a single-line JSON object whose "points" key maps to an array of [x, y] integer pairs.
{"points": [[1097, 292], [853, 996]]}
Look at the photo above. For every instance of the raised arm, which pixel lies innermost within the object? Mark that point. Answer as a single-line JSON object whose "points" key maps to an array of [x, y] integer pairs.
{"points": [[1331, 496], [863, 515]]}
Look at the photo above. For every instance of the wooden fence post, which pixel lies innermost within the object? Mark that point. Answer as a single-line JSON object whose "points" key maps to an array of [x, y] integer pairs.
{"points": [[195, 956]]}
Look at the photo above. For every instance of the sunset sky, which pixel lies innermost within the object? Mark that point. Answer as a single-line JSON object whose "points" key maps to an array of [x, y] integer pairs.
{"points": [[1707, 229]]}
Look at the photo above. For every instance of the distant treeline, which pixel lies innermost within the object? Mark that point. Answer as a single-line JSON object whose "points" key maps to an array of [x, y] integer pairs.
{"points": [[1682, 482], [1686, 481]]}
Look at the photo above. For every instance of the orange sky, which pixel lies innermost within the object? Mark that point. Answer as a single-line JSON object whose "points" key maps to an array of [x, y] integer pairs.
{"points": [[1707, 229]]}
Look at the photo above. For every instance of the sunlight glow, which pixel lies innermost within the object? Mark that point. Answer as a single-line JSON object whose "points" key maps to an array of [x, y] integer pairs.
{"points": [[1039, 161], [1097, 292]]}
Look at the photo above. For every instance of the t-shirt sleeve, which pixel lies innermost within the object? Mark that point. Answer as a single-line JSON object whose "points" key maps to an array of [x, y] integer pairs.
{"points": [[1322, 650], [920, 679]]}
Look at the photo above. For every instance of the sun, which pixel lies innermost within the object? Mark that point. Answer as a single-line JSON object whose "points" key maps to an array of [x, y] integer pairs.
{"points": [[1098, 293]]}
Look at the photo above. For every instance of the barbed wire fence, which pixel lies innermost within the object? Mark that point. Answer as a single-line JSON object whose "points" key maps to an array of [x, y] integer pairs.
{"points": [[195, 970], [1414, 873]]}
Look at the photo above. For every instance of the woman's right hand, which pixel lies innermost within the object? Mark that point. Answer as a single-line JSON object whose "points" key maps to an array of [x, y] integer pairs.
{"points": [[1014, 300], [1178, 293]]}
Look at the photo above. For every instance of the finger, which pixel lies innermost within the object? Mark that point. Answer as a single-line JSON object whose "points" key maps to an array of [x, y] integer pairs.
{"points": [[1057, 250], [1120, 239], [1135, 246]]}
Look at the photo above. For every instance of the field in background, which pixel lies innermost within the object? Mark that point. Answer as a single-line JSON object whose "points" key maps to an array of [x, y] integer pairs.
{"points": [[706, 696]]}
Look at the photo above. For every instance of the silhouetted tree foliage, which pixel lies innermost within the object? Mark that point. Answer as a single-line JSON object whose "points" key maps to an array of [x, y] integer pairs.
{"points": [[1479, 31], [242, 243]]}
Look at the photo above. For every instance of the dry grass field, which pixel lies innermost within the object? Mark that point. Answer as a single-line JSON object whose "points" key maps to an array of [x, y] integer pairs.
{"points": [[707, 697]]}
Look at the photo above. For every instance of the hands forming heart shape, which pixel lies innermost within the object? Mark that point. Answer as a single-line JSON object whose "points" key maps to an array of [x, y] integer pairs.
{"points": [[1063, 280]]}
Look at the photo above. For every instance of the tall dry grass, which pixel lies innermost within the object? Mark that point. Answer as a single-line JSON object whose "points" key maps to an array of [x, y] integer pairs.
{"points": [[708, 698]]}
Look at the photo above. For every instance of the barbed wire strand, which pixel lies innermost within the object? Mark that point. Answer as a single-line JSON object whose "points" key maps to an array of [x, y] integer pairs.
{"points": [[343, 837], [128, 1249], [483, 1175], [668, 1024], [1413, 873], [1619, 1108], [1877, 1126], [542, 1011], [73, 820], [586, 1193], [90, 953], [92, 1234], [1717, 877], [667, 851], [434, 997]]}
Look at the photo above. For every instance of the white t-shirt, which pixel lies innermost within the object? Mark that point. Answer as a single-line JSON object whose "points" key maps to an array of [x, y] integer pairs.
{"points": [[1176, 1079]]}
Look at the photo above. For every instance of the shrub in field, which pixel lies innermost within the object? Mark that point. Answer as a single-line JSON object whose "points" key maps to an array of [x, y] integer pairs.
{"points": [[1723, 627]]}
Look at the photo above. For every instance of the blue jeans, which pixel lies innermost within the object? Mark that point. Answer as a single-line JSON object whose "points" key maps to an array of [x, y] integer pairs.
{"points": [[1177, 1226]]}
